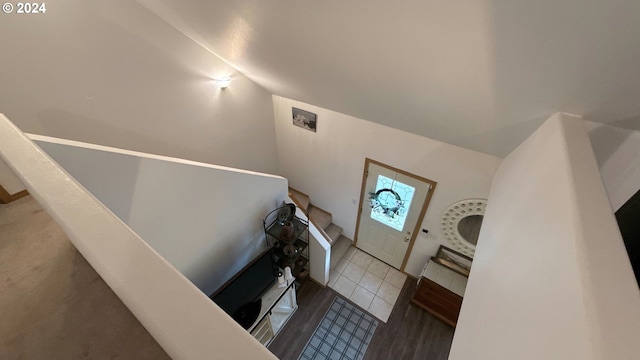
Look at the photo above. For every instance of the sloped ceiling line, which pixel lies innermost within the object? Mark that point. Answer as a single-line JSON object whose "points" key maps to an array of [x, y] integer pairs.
{"points": [[479, 75]]}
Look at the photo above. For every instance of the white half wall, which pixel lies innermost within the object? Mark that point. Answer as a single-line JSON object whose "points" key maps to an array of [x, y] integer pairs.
{"points": [[328, 165], [184, 321], [113, 73], [319, 250], [551, 278], [110, 176], [617, 151], [206, 220]]}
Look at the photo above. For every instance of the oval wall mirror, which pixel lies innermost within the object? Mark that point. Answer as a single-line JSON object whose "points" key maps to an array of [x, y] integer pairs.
{"points": [[461, 224]]}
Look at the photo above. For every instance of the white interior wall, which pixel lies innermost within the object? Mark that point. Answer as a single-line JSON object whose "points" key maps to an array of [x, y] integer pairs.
{"points": [[184, 321], [617, 151], [112, 73], [328, 165], [205, 220], [550, 278], [109, 176], [9, 180]]}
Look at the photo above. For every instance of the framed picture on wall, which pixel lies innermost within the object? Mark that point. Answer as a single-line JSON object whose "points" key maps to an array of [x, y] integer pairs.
{"points": [[304, 119]]}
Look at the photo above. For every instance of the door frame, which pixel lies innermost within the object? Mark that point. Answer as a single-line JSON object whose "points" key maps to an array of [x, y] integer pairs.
{"points": [[423, 211]]}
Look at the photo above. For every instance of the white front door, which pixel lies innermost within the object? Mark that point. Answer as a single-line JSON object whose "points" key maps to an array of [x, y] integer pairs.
{"points": [[393, 204]]}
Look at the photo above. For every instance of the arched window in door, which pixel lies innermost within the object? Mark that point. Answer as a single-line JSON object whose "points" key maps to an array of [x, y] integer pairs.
{"points": [[390, 202]]}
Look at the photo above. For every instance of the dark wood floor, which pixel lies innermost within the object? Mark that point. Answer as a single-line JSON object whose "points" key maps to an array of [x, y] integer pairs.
{"points": [[410, 333]]}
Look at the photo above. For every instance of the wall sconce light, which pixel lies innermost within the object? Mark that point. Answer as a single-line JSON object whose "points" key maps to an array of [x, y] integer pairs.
{"points": [[223, 82]]}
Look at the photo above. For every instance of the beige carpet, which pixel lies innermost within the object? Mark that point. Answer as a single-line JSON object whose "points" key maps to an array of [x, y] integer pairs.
{"points": [[53, 305]]}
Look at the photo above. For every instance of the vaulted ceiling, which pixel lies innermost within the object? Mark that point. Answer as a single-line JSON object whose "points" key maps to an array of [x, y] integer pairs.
{"points": [[479, 74]]}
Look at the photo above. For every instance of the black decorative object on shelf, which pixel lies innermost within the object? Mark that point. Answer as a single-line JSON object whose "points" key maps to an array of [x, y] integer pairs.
{"points": [[288, 234], [286, 213]]}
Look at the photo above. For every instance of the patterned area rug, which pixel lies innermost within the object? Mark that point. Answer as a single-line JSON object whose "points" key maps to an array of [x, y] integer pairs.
{"points": [[344, 333]]}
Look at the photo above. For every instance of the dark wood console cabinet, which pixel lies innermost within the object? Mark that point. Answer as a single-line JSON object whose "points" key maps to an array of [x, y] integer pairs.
{"points": [[438, 301], [440, 291]]}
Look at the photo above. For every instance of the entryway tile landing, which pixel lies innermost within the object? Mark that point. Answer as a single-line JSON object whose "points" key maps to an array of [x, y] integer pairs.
{"points": [[367, 282]]}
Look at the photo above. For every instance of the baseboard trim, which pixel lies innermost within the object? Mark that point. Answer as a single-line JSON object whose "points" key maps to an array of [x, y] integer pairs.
{"points": [[6, 198]]}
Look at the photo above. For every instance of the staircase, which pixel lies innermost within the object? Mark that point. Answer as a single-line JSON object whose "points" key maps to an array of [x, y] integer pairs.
{"points": [[323, 221]]}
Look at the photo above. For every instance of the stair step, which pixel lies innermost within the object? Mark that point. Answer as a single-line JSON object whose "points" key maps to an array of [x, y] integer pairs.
{"points": [[339, 249], [334, 231], [300, 197], [319, 217]]}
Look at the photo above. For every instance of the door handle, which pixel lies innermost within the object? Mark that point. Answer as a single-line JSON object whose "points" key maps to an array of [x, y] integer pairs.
{"points": [[408, 237]]}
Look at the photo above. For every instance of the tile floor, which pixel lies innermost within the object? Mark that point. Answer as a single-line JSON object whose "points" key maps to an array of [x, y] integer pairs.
{"points": [[368, 282]]}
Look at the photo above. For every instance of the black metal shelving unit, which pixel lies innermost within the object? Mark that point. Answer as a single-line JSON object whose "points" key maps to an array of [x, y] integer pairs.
{"points": [[292, 251]]}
